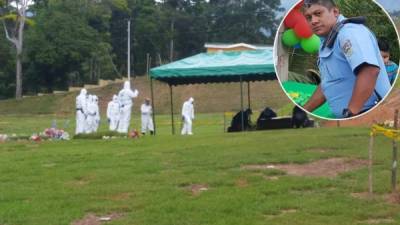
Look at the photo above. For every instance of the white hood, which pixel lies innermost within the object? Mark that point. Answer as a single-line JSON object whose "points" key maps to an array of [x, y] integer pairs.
{"points": [[115, 98], [127, 85], [83, 91]]}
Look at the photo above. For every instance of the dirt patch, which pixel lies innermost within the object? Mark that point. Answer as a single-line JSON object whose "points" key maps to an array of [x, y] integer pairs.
{"points": [[92, 219], [378, 221], [196, 189], [362, 195], [393, 198], [281, 213], [321, 168], [286, 211], [81, 181], [120, 196], [321, 150], [242, 183], [271, 177]]}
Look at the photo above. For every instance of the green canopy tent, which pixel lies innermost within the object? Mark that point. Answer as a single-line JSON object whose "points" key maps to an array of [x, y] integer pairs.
{"points": [[238, 66]]}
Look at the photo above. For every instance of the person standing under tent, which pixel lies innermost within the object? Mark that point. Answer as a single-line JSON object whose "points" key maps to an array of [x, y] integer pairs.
{"points": [[187, 116]]}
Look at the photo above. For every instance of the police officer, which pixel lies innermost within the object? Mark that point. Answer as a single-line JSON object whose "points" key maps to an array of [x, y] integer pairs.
{"points": [[353, 75]]}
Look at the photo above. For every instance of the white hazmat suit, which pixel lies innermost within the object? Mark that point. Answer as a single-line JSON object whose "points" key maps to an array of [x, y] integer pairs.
{"points": [[147, 119], [81, 110], [91, 115], [97, 117], [187, 116], [113, 113], [125, 97]]}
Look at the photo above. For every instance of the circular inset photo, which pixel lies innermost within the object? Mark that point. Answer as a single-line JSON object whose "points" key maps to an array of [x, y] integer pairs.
{"points": [[337, 59]]}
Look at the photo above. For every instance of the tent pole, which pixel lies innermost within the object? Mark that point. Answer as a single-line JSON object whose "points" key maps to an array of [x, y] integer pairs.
{"points": [[172, 109], [152, 105], [241, 102], [248, 94], [151, 92]]}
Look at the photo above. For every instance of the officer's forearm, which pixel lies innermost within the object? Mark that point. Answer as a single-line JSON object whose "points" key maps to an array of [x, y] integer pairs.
{"points": [[364, 87], [315, 101]]}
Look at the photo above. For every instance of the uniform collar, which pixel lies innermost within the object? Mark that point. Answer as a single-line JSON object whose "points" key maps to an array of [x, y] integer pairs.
{"points": [[340, 18]]}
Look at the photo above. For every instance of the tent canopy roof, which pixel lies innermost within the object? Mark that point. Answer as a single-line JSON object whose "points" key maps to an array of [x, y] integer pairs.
{"points": [[254, 65]]}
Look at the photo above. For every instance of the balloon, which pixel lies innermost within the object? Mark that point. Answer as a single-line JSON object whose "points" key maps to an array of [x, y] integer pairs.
{"points": [[311, 45], [297, 46], [289, 38], [292, 18], [299, 5], [302, 29]]}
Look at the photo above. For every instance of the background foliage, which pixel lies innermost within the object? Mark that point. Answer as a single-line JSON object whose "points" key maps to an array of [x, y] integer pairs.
{"points": [[79, 41]]}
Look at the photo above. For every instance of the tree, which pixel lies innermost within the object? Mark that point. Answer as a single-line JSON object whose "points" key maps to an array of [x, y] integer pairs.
{"points": [[68, 46], [13, 24]]}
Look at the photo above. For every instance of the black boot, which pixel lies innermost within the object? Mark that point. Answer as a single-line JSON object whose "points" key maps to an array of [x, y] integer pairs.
{"points": [[151, 132]]}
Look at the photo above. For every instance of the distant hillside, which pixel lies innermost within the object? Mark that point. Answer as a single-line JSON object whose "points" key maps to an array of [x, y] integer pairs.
{"points": [[208, 98]]}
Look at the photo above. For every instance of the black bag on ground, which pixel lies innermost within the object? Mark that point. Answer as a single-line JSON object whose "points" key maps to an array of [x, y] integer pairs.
{"points": [[236, 123], [266, 115], [299, 118]]}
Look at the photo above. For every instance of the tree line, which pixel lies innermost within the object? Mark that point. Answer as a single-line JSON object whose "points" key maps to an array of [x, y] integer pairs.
{"points": [[74, 42]]}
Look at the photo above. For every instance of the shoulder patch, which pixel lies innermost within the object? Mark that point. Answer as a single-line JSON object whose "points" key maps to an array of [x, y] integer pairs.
{"points": [[347, 48]]}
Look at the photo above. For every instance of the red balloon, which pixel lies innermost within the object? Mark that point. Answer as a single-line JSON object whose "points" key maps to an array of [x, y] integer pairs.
{"points": [[292, 18], [299, 5], [302, 29]]}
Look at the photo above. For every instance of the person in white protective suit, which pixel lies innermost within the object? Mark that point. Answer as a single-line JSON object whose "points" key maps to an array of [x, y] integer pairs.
{"points": [[147, 119], [97, 116], [113, 113], [81, 110], [125, 97], [187, 116], [91, 115]]}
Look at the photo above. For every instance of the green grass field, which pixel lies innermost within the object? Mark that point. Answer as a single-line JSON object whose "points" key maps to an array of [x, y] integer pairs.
{"points": [[146, 180]]}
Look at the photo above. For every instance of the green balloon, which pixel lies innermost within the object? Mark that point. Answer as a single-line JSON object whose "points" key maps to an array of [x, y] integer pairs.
{"points": [[311, 44], [289, 38]]}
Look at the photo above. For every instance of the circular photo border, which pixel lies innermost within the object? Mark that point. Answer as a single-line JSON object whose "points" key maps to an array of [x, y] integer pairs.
{"points": [[281, 64]]}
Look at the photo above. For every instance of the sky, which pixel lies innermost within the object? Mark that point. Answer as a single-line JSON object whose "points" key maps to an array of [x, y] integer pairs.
{"points": [[389, 5]]}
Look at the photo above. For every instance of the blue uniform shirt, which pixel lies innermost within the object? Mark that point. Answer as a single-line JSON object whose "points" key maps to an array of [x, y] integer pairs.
{"points": [[354, 45]]}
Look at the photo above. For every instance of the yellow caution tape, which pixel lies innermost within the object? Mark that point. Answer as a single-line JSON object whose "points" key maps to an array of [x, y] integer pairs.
{"points": [[390, 133]]}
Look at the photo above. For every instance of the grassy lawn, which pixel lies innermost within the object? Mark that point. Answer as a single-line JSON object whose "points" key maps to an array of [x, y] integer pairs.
{"points": [[147, 180]]}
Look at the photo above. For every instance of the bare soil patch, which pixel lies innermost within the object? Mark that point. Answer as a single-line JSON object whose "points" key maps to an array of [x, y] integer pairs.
{"points": [[196, 189], [92, 219], [393, 198], [271, 177], [120, 196], [321, 150], [242, 183], [362, 195], [282, 213], [321, 168], [378, 221]]}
